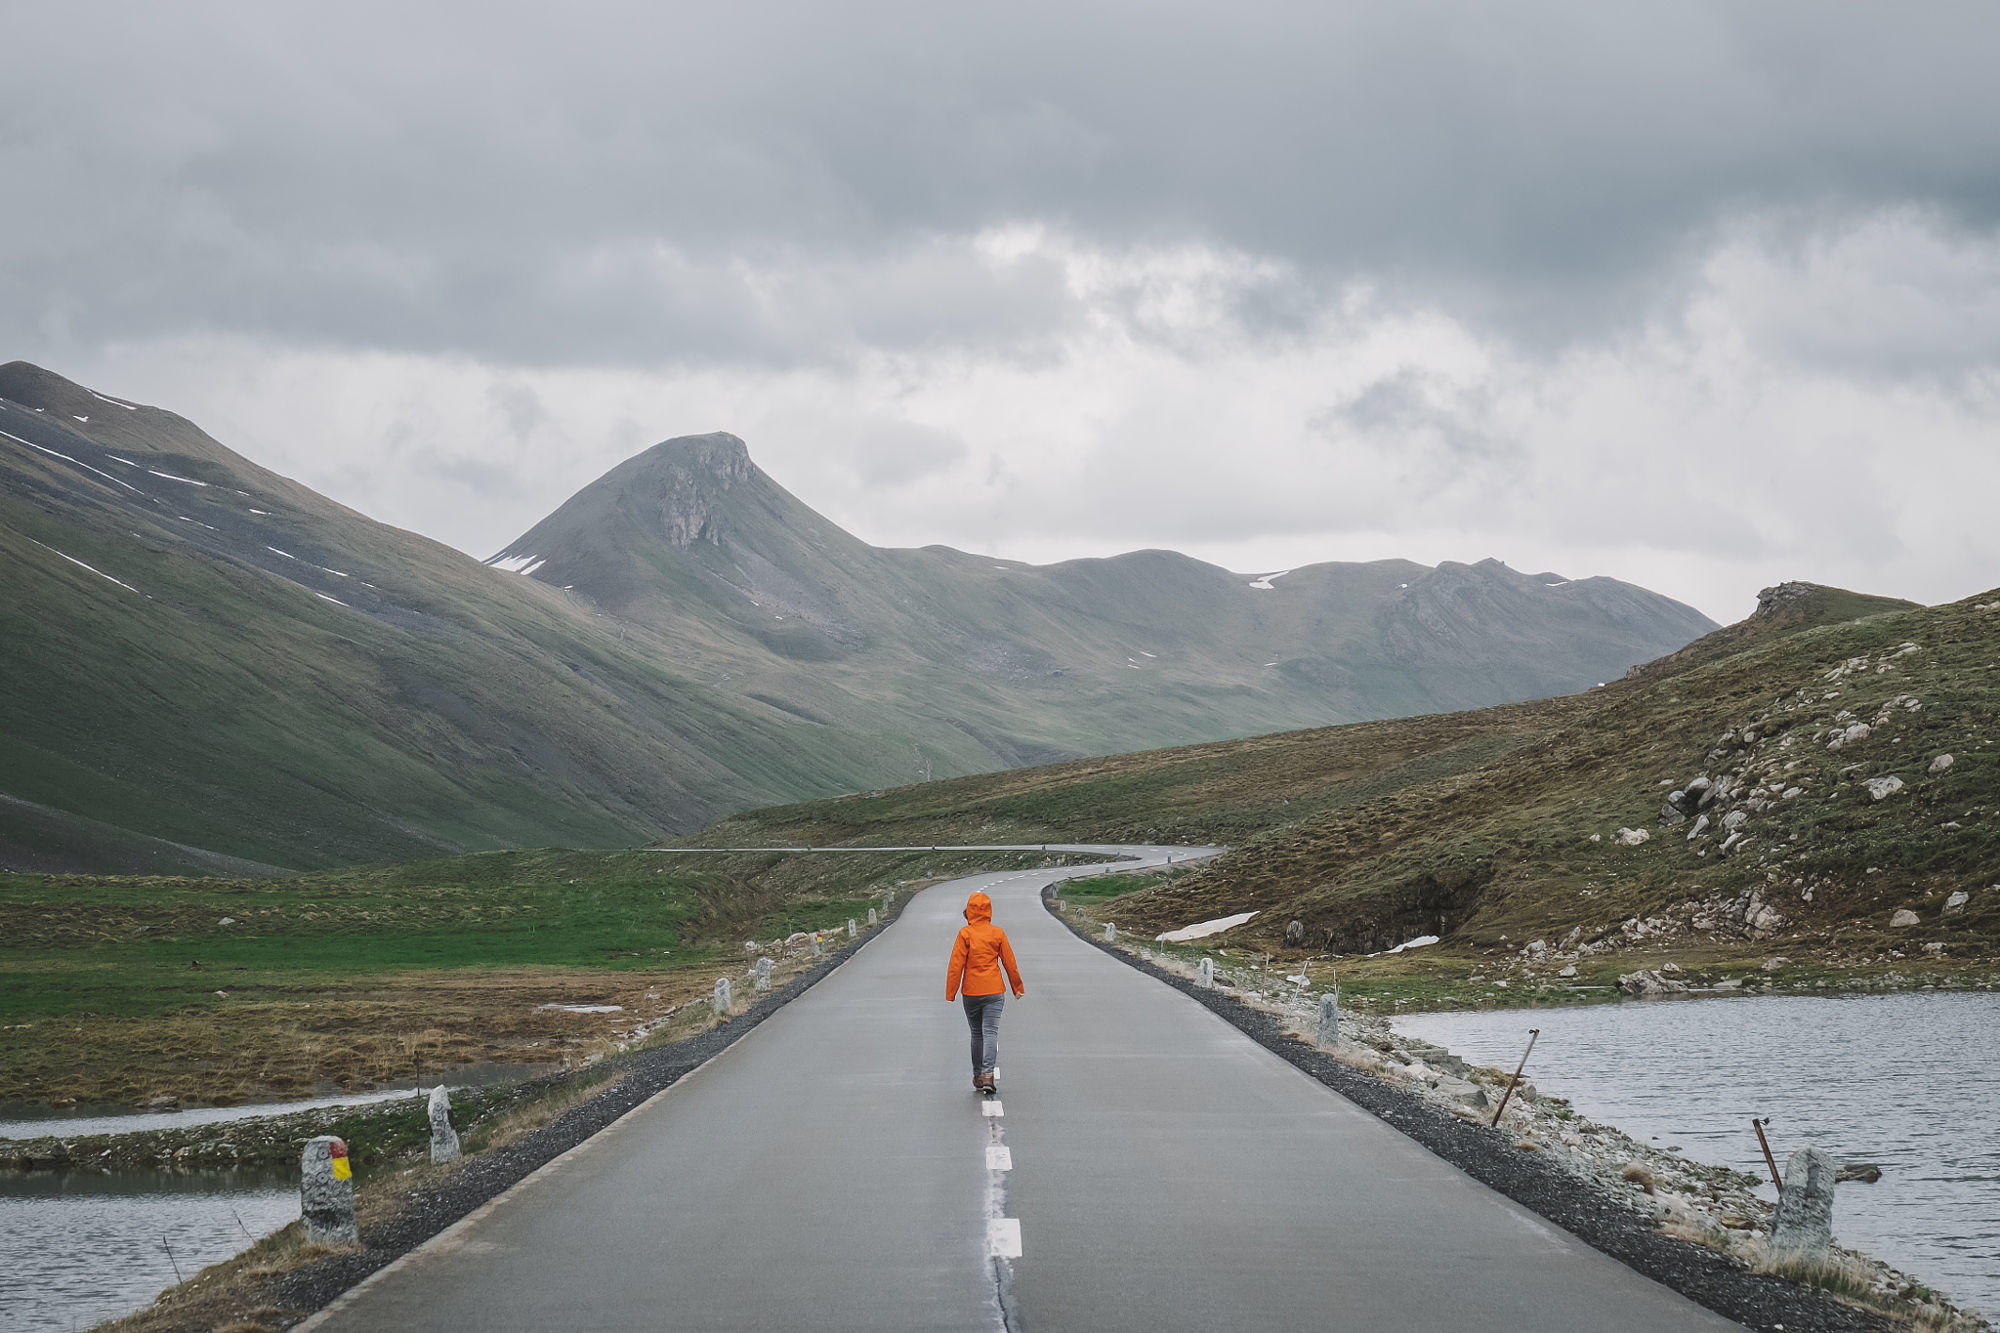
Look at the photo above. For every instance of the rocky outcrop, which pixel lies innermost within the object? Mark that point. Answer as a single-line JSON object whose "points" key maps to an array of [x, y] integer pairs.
{"points": [[1649, 983]]}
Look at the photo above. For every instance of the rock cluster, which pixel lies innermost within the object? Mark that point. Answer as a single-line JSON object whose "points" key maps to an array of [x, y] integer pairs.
{"points": [[1649, 983], [1760, 762]]}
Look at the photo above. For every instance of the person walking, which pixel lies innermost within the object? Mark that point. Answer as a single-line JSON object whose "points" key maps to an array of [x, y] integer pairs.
{"points": [[977, 956]]}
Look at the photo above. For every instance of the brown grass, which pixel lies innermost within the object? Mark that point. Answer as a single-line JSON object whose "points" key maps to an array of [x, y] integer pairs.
{"points": [[348, 1034]]}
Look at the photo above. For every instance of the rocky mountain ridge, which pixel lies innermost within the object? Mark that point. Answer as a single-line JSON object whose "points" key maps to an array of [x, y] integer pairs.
{"points": [[997, 660], [211, 665]]}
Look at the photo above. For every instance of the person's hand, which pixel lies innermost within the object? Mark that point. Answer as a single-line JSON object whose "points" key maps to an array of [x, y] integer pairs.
{"points": [[1020, 991]]}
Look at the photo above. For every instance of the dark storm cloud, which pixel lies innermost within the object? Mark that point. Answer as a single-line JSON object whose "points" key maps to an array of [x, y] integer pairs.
{"points": [[780, 183]]}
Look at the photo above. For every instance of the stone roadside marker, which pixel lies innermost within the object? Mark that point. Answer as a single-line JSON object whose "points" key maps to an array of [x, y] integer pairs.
{"points": [[326, 1192], [1110, 932], [763, 974], [444, 1139], [852, 930], [1208, 974], [721, 996], [872, 918], [1329, 1020], [1802, 1228]]}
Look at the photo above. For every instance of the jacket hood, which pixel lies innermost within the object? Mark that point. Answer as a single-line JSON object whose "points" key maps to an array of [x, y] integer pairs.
{"points": [[978, 908]]}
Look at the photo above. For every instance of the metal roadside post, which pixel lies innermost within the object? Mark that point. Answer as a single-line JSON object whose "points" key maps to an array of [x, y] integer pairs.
{"points": [[1534, 1034], [1765, 1144]]}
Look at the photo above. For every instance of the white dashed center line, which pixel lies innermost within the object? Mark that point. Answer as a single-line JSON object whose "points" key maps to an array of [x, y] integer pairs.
{"points": [[999, 1158], [991, 1108], [1003, 1237]]}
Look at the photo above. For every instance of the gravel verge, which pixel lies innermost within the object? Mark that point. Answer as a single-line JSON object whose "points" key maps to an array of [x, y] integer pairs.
{"points": [[1592, 1213]]}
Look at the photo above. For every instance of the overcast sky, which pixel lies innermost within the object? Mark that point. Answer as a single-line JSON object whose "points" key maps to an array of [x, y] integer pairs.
{"points": [[1703, 296]]}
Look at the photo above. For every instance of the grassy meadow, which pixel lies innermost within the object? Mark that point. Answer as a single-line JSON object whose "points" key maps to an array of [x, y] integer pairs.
{"points": [[121, 990]]}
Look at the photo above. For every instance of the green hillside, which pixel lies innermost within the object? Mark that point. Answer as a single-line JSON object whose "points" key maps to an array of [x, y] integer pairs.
{"points": [[203, 660], [1501, 827]]}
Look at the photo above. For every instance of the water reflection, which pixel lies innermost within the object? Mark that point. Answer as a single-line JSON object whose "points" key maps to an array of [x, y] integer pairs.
{"points": [[1909, 1081], [80, 1247]]}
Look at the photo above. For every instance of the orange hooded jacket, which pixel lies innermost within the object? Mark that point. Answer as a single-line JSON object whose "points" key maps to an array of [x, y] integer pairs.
{"points": [[979, 951]]}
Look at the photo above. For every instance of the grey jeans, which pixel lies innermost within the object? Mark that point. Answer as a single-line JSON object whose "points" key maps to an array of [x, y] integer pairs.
{"points": [[982, 1015]]}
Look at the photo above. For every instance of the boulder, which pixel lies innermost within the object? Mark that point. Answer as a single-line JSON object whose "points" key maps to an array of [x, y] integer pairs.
{"points": [[1462, 1093], [1295, 933], [1648, 984], [1773, 964], [1939, 764], [1632, 837], [1956, 903], [1700, 827], [1568, 971], [1881, 788], [1903, 917]]}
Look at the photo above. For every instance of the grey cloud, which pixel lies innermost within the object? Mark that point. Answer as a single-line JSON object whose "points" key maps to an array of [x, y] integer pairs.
{"points": [[645, 184], [903, 453]]}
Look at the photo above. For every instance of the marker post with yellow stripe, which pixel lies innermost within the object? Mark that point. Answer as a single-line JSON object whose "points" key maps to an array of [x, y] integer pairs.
{"points": [[326, 1192]]}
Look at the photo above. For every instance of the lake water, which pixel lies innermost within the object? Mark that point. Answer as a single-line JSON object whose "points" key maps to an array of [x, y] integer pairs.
{"points": [[20, 1120], [1911, 1082], [69, 1126], [78, 1248]]}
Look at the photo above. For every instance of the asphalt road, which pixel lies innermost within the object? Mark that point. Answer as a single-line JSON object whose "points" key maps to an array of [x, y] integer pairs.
{"points": [[1149, 1168]]}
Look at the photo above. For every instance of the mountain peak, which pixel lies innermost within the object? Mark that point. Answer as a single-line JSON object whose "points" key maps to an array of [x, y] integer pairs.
{"points": [[718, 453], [679, 484], [41, 390], [1800, 604]]}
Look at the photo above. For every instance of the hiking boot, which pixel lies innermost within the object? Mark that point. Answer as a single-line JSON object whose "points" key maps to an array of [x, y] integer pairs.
{"points": [[985, 1083]]}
